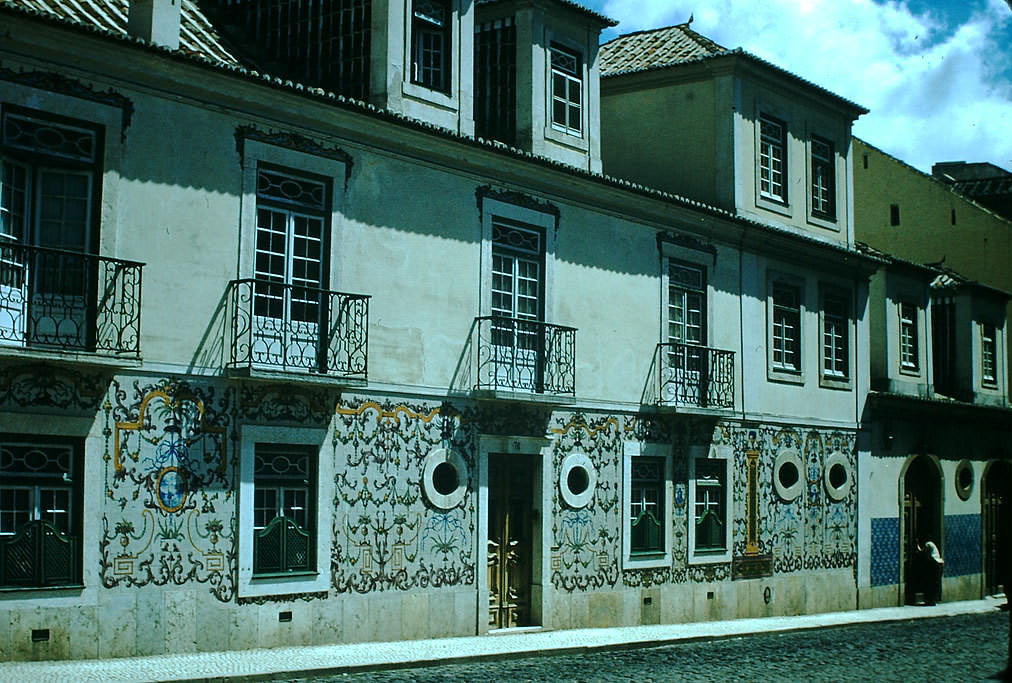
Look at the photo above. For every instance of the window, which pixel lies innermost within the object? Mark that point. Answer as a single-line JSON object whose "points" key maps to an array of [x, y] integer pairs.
{"points": [[909, 344], [709, 505], [686, 304], [48, 195], [835, 337], [772, 159], [430, 44], [786, 332], [40, 518], [646, 506], [989, 355], [567, 90], [289, 268], [894, 214], [283, 509], [823, 179]]}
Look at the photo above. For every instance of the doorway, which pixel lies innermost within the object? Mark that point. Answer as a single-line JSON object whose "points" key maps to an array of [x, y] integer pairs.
{"points": [[996, 513], [511, 536], [922, 519]]}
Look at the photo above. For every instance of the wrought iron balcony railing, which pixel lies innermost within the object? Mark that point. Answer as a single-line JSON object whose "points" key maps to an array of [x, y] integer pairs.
{"points": [[291, 328], [691, 375], [69, 301], [524, 355]]}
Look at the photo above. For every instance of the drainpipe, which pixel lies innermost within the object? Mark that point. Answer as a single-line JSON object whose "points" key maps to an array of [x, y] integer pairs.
{"points": [[156, 21]]}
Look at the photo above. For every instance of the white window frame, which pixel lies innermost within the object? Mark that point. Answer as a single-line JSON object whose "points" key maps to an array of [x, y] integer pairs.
{"points": [[989, 381], [765, 147], [256, 586], [724, 454], [913, 324], [816, 216], [831, 378], [636, 449], [778, 371], [571, 79], [415, 48]]}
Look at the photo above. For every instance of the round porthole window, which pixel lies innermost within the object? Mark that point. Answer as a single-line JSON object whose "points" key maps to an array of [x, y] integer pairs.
{"points": [[787, 479], [837, 477], [964, 479], [444, 478], [577, 480]]}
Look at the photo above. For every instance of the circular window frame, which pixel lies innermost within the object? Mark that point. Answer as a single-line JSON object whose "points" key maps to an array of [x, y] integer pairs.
{"points": [[574, 460], [964, 491], [837, 493], [789, 493], [435, 458]]}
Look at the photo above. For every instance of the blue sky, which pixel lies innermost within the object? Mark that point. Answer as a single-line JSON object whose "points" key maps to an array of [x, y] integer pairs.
{"points": [[936, 74]]}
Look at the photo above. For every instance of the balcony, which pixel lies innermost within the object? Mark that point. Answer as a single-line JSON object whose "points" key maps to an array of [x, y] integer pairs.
{"points": [[278, 328], [530, 357], [694, 376], [55, 301]]}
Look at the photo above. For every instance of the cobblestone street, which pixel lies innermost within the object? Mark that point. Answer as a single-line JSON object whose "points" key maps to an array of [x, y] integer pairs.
{"points": [[961, 648]]}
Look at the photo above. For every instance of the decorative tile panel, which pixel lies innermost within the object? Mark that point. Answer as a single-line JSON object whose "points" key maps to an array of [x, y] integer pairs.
{"points": [[962, 545], [885, 551]]}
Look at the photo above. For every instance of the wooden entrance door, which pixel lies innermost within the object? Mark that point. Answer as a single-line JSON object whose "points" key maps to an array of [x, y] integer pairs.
{"points": [[921, 519], [997, 520], [510, 540]]}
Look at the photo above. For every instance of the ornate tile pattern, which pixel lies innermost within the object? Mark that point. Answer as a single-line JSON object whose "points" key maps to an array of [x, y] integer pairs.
{"points": [[962, 545], [885, 551]]}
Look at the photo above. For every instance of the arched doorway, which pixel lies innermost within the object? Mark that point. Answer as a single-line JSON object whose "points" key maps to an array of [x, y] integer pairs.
{"points": [[996, 513], [922, 518]]}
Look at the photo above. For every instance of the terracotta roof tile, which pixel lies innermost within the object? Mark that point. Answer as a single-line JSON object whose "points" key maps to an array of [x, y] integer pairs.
{"points": [[655, 48]]}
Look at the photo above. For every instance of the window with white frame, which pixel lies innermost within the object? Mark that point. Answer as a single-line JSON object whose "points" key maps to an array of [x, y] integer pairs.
{"points": [[284, 518], [517, 303], [823, 179], [786, 327], [772, 159], [989, 355], [430, 43], [909, 337], [686, 304], [709, 501], [646, 506], [835, 336], [567, 90], [40, 517]]}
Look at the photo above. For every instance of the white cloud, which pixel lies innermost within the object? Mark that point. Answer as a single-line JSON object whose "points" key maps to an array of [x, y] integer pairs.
{"points": [[936, 92]]}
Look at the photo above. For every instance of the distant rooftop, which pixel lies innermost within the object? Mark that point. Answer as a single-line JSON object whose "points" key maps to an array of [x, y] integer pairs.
{"points": [[983, 182], [674, 46], [566, 3]]}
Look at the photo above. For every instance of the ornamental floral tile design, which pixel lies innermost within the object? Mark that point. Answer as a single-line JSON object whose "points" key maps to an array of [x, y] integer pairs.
{"points": [[885, 551], [962, 545]]}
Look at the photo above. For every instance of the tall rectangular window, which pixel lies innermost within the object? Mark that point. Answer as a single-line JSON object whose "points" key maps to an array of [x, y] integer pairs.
{"points": [[284, 518], [40, 517], [49, 187], [709, 506], [517, 262], [567, 90], [686, 304], [772, 159], [909, 342], [786, 333], [835, 337], [989, 355], [823, 179], [646, 507], [431, 36]]}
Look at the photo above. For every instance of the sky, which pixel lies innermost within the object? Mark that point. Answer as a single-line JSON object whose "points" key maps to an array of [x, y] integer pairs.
{"points": [[936, 74]]}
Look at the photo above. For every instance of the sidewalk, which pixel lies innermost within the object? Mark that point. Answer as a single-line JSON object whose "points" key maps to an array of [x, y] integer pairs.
{"points": [[331, 659]]}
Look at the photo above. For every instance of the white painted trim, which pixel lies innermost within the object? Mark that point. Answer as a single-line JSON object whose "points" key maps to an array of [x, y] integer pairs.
{"points": [[634, 449], [716, 452]]}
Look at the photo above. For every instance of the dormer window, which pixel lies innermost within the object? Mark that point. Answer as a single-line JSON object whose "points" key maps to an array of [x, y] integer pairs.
{"points": [[430, 44], [772, 159], [823, 179], [567, 91]]}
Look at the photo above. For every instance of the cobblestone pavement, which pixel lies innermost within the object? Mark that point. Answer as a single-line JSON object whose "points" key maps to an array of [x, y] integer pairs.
{"points": [[961, 648]]}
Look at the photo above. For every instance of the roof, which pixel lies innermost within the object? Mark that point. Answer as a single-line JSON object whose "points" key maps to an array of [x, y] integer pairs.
{"points": [[607, 21], [679, 45], [655, 48], [984, 187], [197, 35], [942, 277]]}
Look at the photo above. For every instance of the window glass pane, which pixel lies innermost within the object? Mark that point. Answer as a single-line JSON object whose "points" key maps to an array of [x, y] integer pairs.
{"points": [[15, 508]]}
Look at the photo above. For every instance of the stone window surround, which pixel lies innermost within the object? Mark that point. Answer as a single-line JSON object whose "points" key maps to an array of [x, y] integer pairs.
{"points": [[774, 373], [248, 585], [714, 452], [846, 295], [634, 449]]}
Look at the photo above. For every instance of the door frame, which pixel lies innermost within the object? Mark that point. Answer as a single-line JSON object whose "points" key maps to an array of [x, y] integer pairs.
{"points": [[985, 555], [540, 449], [934, 462]]}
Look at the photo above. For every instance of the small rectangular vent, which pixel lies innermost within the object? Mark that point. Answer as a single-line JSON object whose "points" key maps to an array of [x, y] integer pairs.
{"points": [[40, 635], [284, 616]]}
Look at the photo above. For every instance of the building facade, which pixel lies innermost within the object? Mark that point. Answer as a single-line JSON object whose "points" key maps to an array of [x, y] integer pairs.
{"points": [[359, 344]]}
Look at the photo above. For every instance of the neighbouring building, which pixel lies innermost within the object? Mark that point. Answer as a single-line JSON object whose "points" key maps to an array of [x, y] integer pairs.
{"points": [[340, 325]]}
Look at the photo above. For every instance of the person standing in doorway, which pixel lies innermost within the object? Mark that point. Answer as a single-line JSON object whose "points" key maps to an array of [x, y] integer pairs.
{"points": [[933, 567]]}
